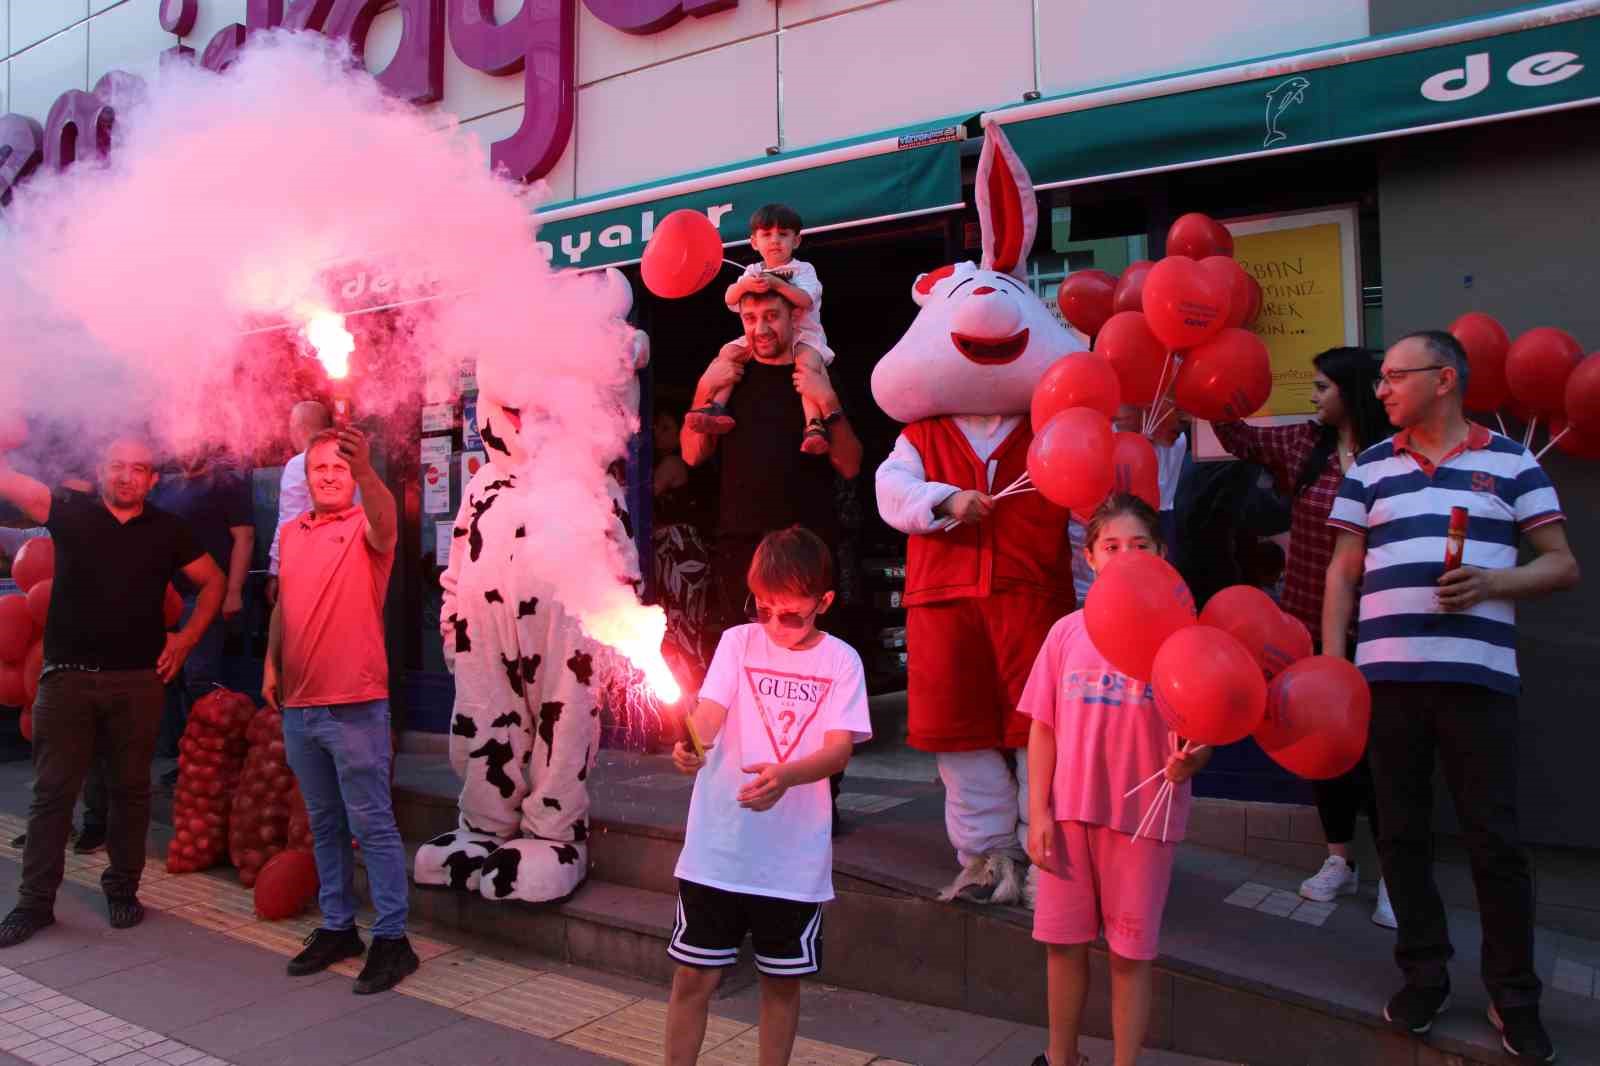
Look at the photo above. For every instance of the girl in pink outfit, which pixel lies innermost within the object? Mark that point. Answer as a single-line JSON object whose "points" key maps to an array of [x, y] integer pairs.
{"points": [[1095, 735]]}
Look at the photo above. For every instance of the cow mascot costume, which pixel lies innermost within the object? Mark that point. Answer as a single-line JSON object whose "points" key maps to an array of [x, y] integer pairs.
{"points": [[982, 589], [529, 684]]}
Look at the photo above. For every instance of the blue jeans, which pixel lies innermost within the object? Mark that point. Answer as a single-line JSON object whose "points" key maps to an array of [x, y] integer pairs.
{"points": [[341, 755]]}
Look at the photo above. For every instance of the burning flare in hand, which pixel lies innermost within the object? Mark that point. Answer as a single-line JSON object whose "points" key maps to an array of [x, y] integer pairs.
{"points": [[636, 632], [325, 332]]}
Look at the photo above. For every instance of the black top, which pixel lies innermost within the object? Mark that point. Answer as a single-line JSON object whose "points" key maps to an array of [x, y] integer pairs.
{"points": [[111, 583], [768, 483], [211, 505]]}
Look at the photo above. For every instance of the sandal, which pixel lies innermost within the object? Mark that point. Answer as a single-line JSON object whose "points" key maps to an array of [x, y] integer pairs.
{"points": [[815, 442], [712, 419]]}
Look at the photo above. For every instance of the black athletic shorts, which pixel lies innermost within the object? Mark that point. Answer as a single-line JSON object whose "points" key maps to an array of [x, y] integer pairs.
{"points": [[712, 923]]}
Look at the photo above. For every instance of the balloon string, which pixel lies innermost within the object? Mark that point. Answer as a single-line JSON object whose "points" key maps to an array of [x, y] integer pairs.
{"points": [[1150, 815], [1551, 443], [1502, 422], [1527, 437], [1156, 400]]}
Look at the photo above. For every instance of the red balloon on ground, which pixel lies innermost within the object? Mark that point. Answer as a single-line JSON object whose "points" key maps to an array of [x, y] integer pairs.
{"points": [[1208, 687], [35, 561], [1486, 342], [39, 601], [1085, 299], [17, 628], [1576, 443], [683, 256], [1134, 605], [1537, 367], [1250, 617], [13, 693], [25, 724], [1197, 236], [172, 607], [1129, 294], [1135, 468], [1069, 461], [1135, 354], [32, 666], [1225, 379], [286, 885], [1079, 379], [1317, 715], [1581, 399], [1184, 303], [1241, 296]]}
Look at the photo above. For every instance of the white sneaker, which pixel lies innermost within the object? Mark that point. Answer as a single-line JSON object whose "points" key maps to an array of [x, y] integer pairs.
{"points": [[1336, 878], [1008, 879], [1030, 888], [1383, 913]]}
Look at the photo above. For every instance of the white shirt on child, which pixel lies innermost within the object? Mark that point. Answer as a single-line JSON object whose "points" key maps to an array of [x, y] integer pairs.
{"points": [[781, 704], [807, 322]]}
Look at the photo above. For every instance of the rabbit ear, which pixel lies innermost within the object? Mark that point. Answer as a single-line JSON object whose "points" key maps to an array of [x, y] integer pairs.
{"points": [[1007, 211]]}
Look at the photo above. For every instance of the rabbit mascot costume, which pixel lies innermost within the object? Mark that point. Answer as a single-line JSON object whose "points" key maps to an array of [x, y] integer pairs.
{"points": [[980, 595]]}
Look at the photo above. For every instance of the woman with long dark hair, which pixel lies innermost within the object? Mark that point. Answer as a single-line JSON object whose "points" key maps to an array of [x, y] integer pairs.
{"points": [[1310, 459]]}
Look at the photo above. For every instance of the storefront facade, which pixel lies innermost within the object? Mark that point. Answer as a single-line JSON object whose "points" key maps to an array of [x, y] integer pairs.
{"points": [[1459, 155]]}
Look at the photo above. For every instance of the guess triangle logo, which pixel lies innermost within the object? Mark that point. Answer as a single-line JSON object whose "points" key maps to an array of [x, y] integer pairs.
{"points": [[788, 703]]}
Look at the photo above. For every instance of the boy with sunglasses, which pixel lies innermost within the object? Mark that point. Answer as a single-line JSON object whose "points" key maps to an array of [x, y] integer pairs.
{"points": [[779, 712]]}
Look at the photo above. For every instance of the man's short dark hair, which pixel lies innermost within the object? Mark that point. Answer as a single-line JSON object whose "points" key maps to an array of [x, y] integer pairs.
{"points": [[1447, 351], [763, 297], [775, 216], [323, 436]]}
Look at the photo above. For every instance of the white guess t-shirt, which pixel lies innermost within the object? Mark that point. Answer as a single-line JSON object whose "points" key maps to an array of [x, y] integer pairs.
{"points": [[780, 706]]}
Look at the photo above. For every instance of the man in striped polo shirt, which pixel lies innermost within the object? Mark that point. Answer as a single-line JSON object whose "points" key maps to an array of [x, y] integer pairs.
{"points": [[1439, 649]]}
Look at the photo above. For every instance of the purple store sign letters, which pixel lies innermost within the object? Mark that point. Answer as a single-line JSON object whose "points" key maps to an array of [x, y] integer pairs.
{"points": [[539, 42]]}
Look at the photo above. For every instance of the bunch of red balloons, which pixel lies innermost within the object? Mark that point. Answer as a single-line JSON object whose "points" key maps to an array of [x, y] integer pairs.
{"points": [[1241, 668], [1542, 375]]}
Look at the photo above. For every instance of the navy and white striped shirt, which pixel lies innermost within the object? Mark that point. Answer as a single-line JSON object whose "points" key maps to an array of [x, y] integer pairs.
{"points": [[1401, 503]]}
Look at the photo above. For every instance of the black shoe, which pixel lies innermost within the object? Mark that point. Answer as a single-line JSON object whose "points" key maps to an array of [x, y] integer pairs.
{"points": [[91, 840], [1415, 1007], [124, 913], [390, 961], [21, 924], [1522, 1034], [20, 840], [324, 947]]}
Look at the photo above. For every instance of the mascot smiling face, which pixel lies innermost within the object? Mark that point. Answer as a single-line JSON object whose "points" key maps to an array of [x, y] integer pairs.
{"points": [[982, 339]]}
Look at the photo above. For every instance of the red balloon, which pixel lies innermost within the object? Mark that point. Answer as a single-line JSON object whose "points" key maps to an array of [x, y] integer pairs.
{"points": [[35, 561], [25, 724], [1298, 638], [1250, 617], [1085, 299], [1208, 687], [1184, 303], [39, 601], [1255, 303], [32, 667], [1129, 295], [1135, 468], [1486, 342], [1575, 443], [1581, 398], [1069, 461], [1079, 379], [1317, 715], [1226, 270], [1134, 605], [1226, 378], [1197, 236], [683, 256], [1538, 365], [286, 885], [1135, 354], [17, 628], [13, 693]]}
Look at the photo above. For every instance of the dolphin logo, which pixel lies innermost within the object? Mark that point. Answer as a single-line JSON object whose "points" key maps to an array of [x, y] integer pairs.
{"points": [[1289, 91]]}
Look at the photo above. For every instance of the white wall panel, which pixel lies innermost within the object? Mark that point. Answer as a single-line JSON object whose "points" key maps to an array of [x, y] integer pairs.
{"points": [[214, 15], [469, 93], [47, 70], [97, 6], [791, 12], [5, 29], [34, 20], [128, 37], [901, 63], [5, 86], [1086, 44], [701, 111], [496, 127], [604, 52]]}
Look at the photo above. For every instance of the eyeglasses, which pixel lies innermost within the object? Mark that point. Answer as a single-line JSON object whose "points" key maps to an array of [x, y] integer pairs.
{"points": [[786, 619], [1394, 377]]}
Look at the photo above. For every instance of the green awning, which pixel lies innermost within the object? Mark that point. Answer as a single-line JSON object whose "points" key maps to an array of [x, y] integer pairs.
{"points": [[1523, 62], [888, 175]]}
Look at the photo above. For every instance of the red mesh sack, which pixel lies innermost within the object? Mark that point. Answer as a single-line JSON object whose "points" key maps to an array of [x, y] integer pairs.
{"points": [[211, 754], [265, 802]]}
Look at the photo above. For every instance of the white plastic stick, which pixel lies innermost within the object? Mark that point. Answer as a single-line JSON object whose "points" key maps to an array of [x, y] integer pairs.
{"points": [[1146, 783], [1150, 815], [1156, 401], [1551, 443], [1527, 437], [1502, 422], [1166, 821]]}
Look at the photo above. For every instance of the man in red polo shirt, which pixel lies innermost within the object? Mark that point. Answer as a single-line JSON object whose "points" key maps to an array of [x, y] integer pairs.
{"points": [[327, 667]]}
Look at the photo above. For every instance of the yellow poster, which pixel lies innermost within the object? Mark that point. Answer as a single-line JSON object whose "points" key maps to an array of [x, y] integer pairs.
{"points": [[1302, 274]]}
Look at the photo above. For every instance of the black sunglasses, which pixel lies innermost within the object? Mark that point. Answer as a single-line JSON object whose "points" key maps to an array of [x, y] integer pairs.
{"points": [[786, 619]]}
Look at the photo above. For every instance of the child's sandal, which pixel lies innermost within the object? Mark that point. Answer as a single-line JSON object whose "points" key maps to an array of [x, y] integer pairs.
{"points": [[815, 442], [712, 419]]}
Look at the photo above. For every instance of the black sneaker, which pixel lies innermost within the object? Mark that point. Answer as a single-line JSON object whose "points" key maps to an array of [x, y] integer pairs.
{"points": [[324, 947], [390, 960], [1415, 1007], [124, 913], [21, 924], [91, 840], [1522, 1034]]}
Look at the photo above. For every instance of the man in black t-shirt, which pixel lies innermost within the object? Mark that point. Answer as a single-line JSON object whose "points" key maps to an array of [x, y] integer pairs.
{"points": [[106, 656]]}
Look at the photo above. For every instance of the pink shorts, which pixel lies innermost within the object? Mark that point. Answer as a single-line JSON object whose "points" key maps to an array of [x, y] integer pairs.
{"points": [[1104, 879]]}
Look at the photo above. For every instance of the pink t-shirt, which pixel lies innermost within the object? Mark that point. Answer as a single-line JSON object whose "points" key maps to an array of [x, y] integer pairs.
{"points": [[331, 588], [1109, 736]]}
